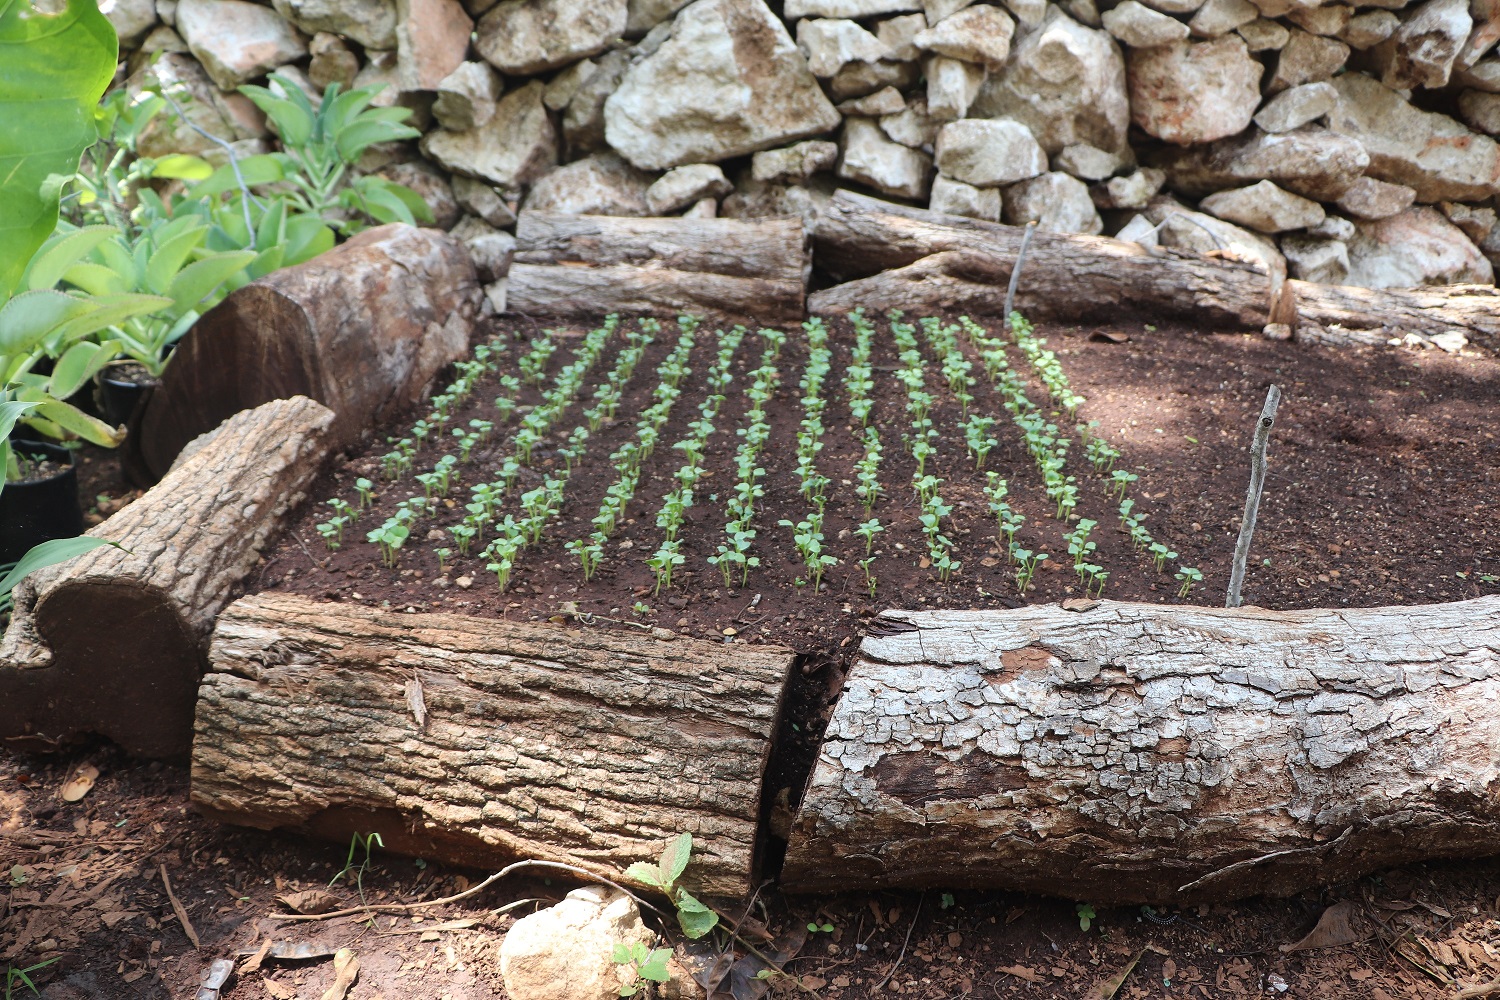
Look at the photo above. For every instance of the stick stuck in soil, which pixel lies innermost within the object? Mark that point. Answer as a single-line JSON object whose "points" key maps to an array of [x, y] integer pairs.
{"points": [[1252, 498]]}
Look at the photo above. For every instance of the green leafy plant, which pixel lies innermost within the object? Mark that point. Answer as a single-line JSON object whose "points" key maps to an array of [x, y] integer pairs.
{"points": [[694, 917], [358, 845], [22, 977], [646, 964], [1086, 916]]}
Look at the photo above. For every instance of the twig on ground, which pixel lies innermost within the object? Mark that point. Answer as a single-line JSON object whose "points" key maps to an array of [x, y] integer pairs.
{"points": [[182, 917], [899, 958], [1252, 497], [1470, 992]]}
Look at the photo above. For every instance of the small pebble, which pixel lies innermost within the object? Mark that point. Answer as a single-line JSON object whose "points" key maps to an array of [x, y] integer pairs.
{"points": [[465, 582]]}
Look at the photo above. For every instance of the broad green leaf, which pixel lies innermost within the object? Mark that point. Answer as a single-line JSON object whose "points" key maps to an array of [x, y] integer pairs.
{"points": [[169, 258], [48, 554], [271, 229], [419, 208], [11, 411], [621, 954], [106, 312], [78, 364], [382, 205], [31, 317], [53, 70], [265, 262], [695, 919], [674, 859], [62, 252], [75, 421], [355, 138], [646, 874], [654, 968], [120, 260], [181, 166], [306, 237], [201, 278], [96, 279], [265, 168], [293, 120]]}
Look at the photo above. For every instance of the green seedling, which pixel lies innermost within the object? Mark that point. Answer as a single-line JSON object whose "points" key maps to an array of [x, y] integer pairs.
{"points": [[1187, 576], [693, 917], [443, 555], [646, 965], [868, 530]]}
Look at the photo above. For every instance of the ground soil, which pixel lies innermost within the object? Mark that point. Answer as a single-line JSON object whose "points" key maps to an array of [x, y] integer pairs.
{"points": [[1383, 472]]}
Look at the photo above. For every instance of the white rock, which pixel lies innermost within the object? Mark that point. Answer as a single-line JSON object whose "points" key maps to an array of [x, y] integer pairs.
{"points": [[566, 952], [1369, 28], [1294, 108], [332, 62], [989, 152], [830, 43], [848, 8], [1333, 227], [1264, 36], [1306, 58], [1089, 163], [481, 200], [1132, 191], [466, 97], [870, 158], [1477, 222], [1056, 202], [979, 34], [1480, 110], [237, 41], [885, 101], [1422, 51], [162, 39], [700, 99], [707, 208], [1314, 163], [131, 19], [953, 197], [516, 146], [1483, 75], [1368, 198], [1311, 259], [1203, 233], [167, 11], [1029, 12], [371, 23], [1194, 92], [1083, 11], [1431, 153], [1139, 26], [432, 39], [1330, 19], [1415, 247], [1220, 17], [858, 79], [952, 85], [563, 87], [794, 164], [1065, 82], [913, 127], [898, 34], [1263, 207], [522, 37], [683, 186], [1139, 230], [601, 184], [935, 10]]}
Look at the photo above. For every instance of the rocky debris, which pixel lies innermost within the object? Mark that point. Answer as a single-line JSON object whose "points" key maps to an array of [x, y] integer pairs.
{"points": [[1139, 26], [858, 79], [1132, 191], [754, 199], [235, 41], [371, 23], [1368, 198], [899, 36], [1294, 108], [332, 62], [988, 153], [1056, 202], [1422, 50], [598, 184], [516, 146], [952, 85], [564, 86], [583, 120], [979, 34], [1139, 229], [1306, 58], [683, 186], [886, 101], [432, 38], [1220, 17], [521, 37], [466, 97], [379, 70], [1369, 28], [831, 43], [957, 198], [566, 952], [868, 157], [1088, 163], [698, 99], [1194, 92], [1315, 163], [794, 164], [479, 199], [1415, 247], [1333, 227], [1263, 207]]}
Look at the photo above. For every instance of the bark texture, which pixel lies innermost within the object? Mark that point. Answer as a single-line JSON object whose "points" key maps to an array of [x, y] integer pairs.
{"points": [[539, 741], [114, 642], [363, 329], [1473, 310], [1131, 753], [575, 265]]}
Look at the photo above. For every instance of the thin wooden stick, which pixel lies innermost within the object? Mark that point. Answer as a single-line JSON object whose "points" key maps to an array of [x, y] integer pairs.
{"points": [[182, 917], [1015, 272], [897, 964], [1252, 498]]}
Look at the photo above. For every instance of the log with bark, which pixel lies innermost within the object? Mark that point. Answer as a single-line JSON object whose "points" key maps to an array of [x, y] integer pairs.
{"points": [[479, 741], [1130, 753], [114, 642], [363, 329], [569, 265]]}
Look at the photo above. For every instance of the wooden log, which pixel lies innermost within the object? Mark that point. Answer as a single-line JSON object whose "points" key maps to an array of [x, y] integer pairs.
{"points": [[563, 290], [114, 642], [1132, 753], [539, 741], [363, 329], [1473, 310]]}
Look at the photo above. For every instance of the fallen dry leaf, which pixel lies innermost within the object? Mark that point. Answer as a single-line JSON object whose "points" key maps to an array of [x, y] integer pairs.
{"points": [[346, 971], [1022, 972], [1109, 987], [79, 783], [310, 901], [1333, 930]]}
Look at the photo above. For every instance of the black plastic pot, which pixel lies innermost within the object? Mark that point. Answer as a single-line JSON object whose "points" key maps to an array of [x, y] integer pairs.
{"points": [[41, 510], [123, 387]]}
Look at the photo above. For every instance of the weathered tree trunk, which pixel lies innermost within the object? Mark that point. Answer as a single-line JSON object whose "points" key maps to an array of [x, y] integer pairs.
{"points": [[1473, 310], [363, 329], [538, 741], [569, 265], [114, 642], [1132, 753]]}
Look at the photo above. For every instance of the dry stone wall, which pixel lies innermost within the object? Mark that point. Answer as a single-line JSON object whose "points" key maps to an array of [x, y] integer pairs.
{"points": [[1335, 142]]}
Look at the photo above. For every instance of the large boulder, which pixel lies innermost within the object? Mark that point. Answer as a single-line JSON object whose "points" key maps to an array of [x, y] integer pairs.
{"points": [[1066, 83], [1316, 163], [237, 41], [1415, 247], [523, 37], [516, 146], [728, 81], [1194, 92]]}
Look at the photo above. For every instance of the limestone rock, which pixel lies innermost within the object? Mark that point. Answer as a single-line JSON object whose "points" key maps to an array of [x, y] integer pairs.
{"points": [[563, 87], [1029, 12], [934, 11], [478, 198], [1333, 227], [516, 146], [1415, 247], [1140, 27], [1422, 51], [989, 152], [683, 186], [794, 164], [1312, 259], [1330, 19], [1294, 108], [728, 81], [1203, 233], [1139, 229], [1315, 163], [565, 952], [235, 41], [830, 43], [1477, 222], [1088, 163], [1263, 36], [523, 37], [131, 19], [913, 127], [953, 197], [754, 199], [1263, 207], [1306, 58], [1194, 92], [978, 34], [332, 62], [1085, 12], [1132, 191], [1368, 198], [1220, 17], [583, 121], [431, 186], [1429, 152], [161, 39], [1066, 83], [860, 78], [1480, 110], [886, 101], [952, 85], [708, 208], [870, 158], [380, 70], [466, 97], [601, 184], [1056, 202], [490, 249], [643, 15], [898, 34], [1369, 28], [851, 9], [371, 23], [181, 75], [432, 39], [1176, 6], [1483, 75]]}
